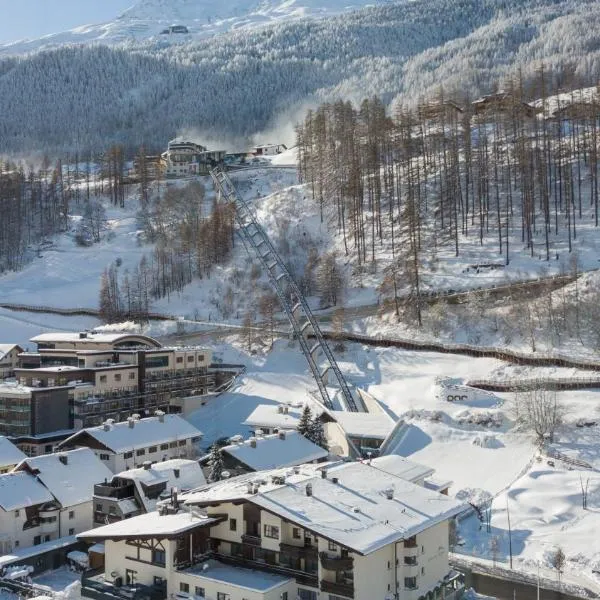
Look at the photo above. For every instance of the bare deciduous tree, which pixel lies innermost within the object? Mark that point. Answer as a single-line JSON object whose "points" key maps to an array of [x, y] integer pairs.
{"points": [[540, 410]]}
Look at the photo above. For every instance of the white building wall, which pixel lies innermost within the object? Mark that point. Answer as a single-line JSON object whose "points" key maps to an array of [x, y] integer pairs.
{"points": [[374, 574], [222, 531]]}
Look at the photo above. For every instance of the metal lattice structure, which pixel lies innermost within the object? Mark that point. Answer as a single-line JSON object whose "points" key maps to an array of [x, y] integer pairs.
{"points": [[292, 300]]}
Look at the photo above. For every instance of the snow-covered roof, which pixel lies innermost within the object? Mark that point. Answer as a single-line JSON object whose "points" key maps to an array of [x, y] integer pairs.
{"points": [[401, 467], [18, 490], [120, 437], [270, 415], [216, 571], [177, 473], [269, 451], [21, 554], [69, 476], [6, 348], [150, 524], [367, 507], [93, 337], [365, 425], [9, 453]]}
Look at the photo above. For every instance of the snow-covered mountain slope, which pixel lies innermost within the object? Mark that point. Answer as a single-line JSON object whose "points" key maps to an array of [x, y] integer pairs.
{"points": [[203, 18]]}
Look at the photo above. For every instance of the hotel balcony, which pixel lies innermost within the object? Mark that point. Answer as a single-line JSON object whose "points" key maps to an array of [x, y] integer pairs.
{"points": [[251, 540], [337, 589], [336, 563]]}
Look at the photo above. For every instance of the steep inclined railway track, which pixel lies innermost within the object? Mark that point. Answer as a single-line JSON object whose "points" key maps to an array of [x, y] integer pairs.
{"points": [[292, 300]]}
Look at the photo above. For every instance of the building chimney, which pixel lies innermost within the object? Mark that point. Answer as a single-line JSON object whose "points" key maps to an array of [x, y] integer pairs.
{"points": [[64, 459], [252, 442], [280, 409], [334, 479], [176, 473], [106, 426], [309, 489], [131, 422], [282, 435], [389, 493], [250, 487], [324, 474], [175, 500], [286, 410], [147, 465], [82, 335], [161, 415]]}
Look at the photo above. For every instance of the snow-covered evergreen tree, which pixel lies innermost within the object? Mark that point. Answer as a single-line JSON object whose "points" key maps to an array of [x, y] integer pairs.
{"points": [[305, 423], [317, 433], [215, 464]]}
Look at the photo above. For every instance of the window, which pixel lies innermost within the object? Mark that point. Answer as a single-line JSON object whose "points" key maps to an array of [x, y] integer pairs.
{"points": [[184, 587], [102, 378], [37, 540], [140, 452], [200, 357], [128, 455], [117, 376], [153, 362], [232, 524], [223, 596], [410, 583], [99, 507], [271, 531], [410, 560], [17, 543], [158, 558], [71, 514], [199, 591], [164, 446], [104, 457], [296, 533], [158, 581], [47, 538], [112, 510], [152, 449], [190, 359], [182, 442], [131, 374], [179, 361], [284, 596], [332, 546], [16, 513], [306, 594], [172, 444], [71, 531]]}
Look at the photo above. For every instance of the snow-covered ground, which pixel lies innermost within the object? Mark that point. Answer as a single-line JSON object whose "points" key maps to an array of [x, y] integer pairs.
{"points": [[203, 18]]}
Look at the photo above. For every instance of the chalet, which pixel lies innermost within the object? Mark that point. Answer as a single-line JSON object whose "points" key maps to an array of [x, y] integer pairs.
{"points": [[269, 149], [137, 491], [338, 531], [10, 455], [270, 418], [175, 29], [577, 110], [47, 498], [184, 158], [260, 452], [503, 102], [130, 444], [446, 109], [9, 359]]}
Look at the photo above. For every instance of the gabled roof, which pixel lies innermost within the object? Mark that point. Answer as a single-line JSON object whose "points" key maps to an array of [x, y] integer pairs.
{"points": [[120, 437], [69, 476], [150, 525], [177, 473], [367, 507], [9, 453], [19, 490], [269, 415], [6, 348], [272, 451]]}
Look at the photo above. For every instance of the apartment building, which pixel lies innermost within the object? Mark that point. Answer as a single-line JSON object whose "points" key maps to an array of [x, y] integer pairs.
{"points": [[129, 444], [78, 380], [336, 531], [47, 498], [137, 491]]}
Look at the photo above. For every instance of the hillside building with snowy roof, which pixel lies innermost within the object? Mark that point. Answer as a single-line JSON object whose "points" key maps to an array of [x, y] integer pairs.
{"points": [[338, 530]]}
